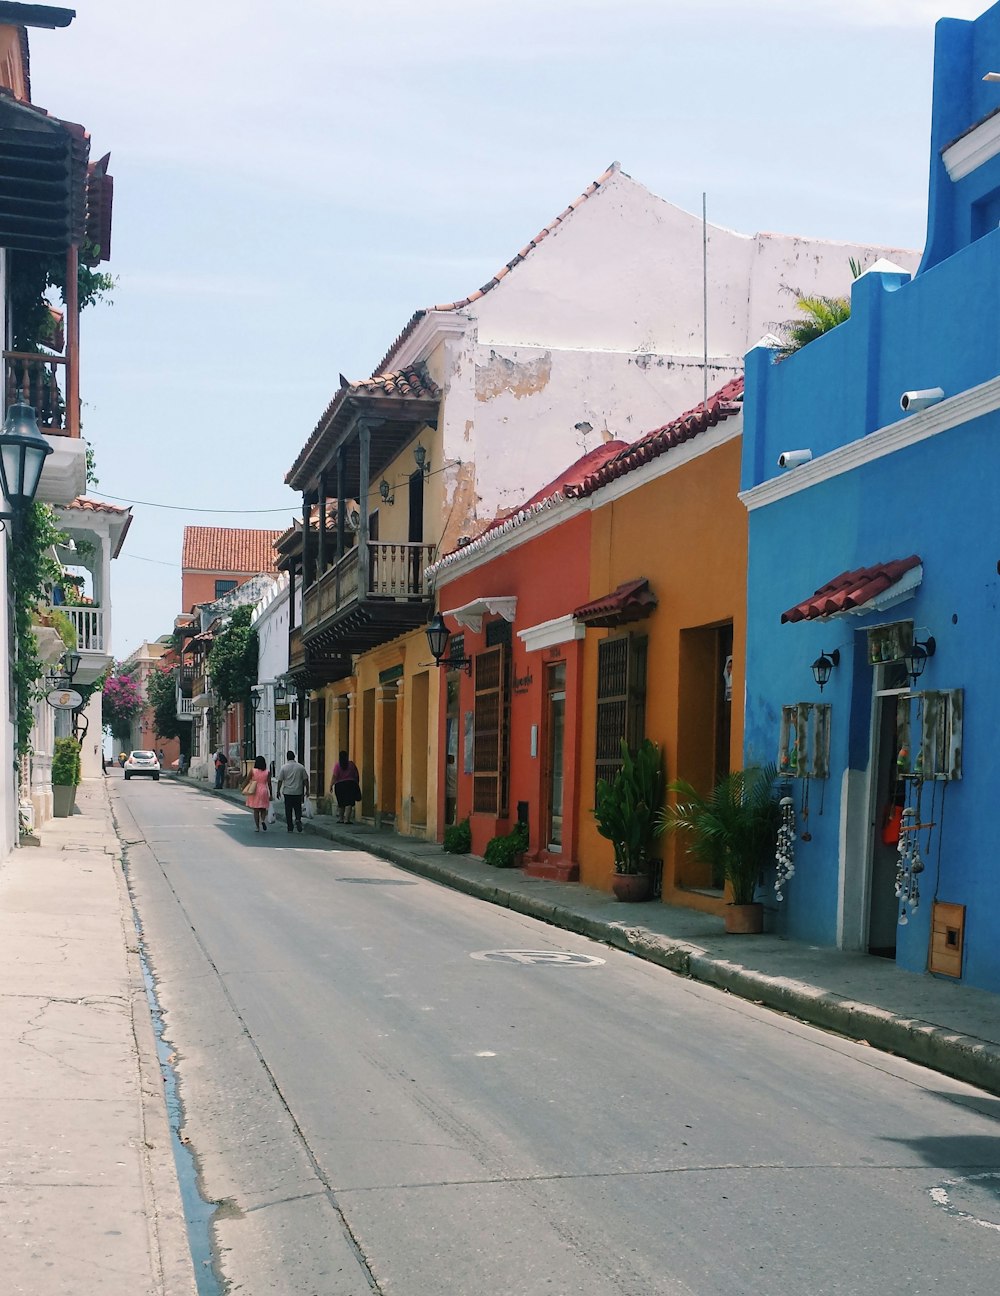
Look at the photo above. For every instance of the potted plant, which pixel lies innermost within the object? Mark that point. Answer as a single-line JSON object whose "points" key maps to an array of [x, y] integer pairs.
{"points": [[734, 830], [629, 813], [65, 776]]}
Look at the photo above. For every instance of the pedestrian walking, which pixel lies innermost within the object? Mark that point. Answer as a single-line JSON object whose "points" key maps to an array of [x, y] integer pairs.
{"points": [[221, 761], [293, 783], [346, 787], [259, 796]]}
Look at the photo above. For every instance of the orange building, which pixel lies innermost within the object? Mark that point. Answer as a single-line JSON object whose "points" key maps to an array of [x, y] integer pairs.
{"points": [[215, 560], [665, 621], [510, 726]]}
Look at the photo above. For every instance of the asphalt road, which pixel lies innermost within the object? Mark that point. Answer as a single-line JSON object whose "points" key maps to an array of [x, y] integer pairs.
{"points": [[379, 1107]]}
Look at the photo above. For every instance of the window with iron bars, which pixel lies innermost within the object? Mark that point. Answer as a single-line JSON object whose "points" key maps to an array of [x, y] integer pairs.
{"points": [[491, 732], [621, 701]]}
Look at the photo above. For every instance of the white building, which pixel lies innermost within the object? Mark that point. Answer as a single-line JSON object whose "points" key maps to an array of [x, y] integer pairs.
{"points": [[274, 724]]}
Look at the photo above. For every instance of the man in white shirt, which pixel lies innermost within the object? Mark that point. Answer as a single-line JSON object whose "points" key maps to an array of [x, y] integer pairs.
{"points": [[294, 779]]}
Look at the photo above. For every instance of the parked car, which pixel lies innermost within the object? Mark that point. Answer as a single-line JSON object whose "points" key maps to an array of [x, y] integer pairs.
{"points": [[139, 763]]}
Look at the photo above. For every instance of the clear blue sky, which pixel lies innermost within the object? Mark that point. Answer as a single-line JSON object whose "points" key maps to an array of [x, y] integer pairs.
{"points": [[293, 181]]}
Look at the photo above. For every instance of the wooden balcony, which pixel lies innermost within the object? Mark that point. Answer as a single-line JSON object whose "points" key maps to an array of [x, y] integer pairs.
{"points": [[42, 382], [373, 594], [312, 666]]}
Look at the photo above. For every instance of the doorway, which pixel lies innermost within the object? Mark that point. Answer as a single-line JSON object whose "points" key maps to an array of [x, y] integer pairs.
{"points": [[367, 761], [555, 728], [887, 793]]}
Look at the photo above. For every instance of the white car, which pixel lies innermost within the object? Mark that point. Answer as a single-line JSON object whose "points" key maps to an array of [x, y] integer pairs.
{"points": [[140, 763]]}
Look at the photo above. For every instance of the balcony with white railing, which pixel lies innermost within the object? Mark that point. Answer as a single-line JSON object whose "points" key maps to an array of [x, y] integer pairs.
{"points": [[185, 707], [92, 640]]}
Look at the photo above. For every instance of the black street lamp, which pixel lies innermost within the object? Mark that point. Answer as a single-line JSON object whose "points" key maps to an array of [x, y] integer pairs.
{"points": [[438, 635], [822, 667], [916, 658], [71, 660], [280, 691], [23, 451]]}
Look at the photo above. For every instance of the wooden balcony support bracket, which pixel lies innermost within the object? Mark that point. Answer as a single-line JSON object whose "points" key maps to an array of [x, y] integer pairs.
{"points": [[322, 556]]}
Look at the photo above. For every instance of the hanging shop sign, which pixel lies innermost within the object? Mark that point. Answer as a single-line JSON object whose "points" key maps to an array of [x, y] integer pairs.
{"points": [[282, 711], [64, 699]]}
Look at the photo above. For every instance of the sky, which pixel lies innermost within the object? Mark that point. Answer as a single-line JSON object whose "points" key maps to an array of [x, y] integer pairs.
{"points": [[293, 181]]}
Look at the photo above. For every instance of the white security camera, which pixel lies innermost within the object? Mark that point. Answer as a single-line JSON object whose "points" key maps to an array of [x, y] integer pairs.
{"points": [[793, 458], [912, 401]]}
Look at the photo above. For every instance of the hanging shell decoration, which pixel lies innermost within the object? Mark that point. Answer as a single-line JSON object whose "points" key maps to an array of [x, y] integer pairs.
{"points": [[784, 856]]}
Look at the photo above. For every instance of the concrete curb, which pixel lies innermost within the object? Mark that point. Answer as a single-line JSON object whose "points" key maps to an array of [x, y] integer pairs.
{"points": [[168, 1241], [964, 1057]]}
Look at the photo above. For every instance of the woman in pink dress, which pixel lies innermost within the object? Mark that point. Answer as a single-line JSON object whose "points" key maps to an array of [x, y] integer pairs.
{"points": [[259, 796]]}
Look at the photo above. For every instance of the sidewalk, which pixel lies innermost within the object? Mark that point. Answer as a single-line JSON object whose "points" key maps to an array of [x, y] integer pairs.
{"points": [[941, 1024], [88, 1188]]}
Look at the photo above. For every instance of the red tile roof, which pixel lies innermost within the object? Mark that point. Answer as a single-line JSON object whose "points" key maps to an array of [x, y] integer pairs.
{"points": [[726, 402], [413, 383], [95, 506], [850, 589], [631, 601], [504, 270], [229, 549], [550, 494]]}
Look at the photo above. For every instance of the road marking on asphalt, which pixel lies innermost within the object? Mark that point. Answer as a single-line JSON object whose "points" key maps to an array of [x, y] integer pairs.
{"points": [[538, 958], [485, 1053], [944, 1195]]}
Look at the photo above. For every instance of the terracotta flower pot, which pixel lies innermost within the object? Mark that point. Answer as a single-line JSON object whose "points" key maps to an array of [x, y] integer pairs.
{"points": [[744, 920], [630, 887]]}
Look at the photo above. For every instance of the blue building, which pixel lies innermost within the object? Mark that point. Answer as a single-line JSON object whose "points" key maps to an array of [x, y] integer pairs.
{"points": [[874, 568]]}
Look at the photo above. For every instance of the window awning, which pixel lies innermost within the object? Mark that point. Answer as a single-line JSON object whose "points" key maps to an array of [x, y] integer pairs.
{"points": [[629, 602], [853, 593], [471, 614]]}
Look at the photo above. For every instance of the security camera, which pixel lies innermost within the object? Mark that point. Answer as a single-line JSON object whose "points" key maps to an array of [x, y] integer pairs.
{"points": [[912, 401], [793, 458]]}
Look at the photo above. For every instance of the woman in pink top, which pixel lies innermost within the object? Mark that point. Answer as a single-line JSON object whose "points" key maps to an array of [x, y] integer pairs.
{"points": [[259, 796], [346, 787]]}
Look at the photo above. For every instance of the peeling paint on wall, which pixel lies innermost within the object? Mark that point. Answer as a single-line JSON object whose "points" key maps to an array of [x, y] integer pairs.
{"points": [[520, 378], [462, 507]]}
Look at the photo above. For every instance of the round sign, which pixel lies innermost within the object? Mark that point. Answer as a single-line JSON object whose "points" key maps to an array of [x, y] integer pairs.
{"points": [[538, 958], [64, 699]]}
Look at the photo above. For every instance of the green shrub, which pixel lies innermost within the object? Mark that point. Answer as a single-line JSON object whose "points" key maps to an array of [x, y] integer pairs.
{"points": [[458, 838], [502, 851], [66, 762]]}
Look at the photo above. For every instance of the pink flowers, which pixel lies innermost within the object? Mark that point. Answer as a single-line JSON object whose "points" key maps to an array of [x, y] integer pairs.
{"points": [[122, 697]]}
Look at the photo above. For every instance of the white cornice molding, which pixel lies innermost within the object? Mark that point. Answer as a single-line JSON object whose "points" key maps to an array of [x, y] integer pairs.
{"points": [[428, 332], [973, 148], [471, 614], [547, 634], [910, 430]]}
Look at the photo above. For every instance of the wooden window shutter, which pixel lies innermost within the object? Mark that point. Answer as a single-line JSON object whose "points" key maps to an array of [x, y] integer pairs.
{"points": [[489, 739], [621, 700]]}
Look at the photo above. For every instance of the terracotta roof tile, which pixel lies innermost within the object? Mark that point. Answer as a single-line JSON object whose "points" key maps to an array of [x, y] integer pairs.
{"points": [[550, 494], [462, 302], [229, 549], [631, 601], [722, 405], [413, 383], [850, 589], [95, 506]]}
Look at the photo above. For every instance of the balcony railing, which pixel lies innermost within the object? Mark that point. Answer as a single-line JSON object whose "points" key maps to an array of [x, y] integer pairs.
{"points": [[88, 622], [40, 381], [392, 592], [184, 708]]}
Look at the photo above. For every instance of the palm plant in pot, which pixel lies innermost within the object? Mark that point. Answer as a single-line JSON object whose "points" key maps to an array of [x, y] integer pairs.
{"points": [[629, 813], [65, 776], [734, 830]]}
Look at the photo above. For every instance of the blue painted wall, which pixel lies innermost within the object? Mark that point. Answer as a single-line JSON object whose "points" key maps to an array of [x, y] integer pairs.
{"points": [[939, 498]]}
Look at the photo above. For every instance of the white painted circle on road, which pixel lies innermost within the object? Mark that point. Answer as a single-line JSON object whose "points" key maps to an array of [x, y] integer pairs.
{"points": [[538, 958]]}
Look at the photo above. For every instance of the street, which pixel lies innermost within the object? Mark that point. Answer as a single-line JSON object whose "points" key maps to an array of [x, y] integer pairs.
{"points": [[382, 1100]]}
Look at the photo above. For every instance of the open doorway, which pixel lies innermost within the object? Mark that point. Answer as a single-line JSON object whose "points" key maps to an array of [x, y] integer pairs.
{"points": [[887, 796]]}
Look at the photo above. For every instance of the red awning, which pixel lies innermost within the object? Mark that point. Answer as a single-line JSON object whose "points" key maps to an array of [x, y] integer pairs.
{"points": [[629, 602], [851, 590]]}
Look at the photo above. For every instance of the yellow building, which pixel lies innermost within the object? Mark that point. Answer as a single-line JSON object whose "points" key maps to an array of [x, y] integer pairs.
{"points": [[664, 647]]}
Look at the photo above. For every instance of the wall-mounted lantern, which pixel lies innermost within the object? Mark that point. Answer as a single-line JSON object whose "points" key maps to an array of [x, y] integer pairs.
{"points": [[438, 636], [916, 658], [822, 667], [420, 454], [280, 691], [23, 451], [384, 492]]}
